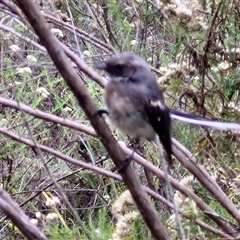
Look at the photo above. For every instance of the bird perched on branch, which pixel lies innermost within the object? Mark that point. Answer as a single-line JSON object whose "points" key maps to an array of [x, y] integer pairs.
{"points": [[134, 100], [135, 103]]}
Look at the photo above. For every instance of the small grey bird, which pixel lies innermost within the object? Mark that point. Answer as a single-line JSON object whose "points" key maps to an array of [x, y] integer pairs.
{"points": [[134, 100], [135, 103]]}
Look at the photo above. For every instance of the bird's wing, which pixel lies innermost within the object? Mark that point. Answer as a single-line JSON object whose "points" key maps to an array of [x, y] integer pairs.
{"points": [[159, 118], [202, 122]]}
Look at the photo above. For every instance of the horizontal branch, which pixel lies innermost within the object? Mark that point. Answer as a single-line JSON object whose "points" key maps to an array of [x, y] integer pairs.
{"points": [[142, 162], [88, 130]]}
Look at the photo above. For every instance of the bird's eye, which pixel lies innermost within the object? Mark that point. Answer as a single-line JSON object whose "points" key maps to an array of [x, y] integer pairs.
{"points": [[119, 67]]}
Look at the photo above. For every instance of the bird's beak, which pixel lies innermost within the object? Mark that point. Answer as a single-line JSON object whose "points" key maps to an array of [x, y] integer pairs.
{"points": [[100, 66]]}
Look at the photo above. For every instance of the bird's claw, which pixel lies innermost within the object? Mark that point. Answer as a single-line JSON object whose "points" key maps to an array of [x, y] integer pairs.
{"points": [[126, 163], [100, 112]]}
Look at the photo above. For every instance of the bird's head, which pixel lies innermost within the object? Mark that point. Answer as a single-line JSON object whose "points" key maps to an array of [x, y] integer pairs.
{"points": [[123, 66]]}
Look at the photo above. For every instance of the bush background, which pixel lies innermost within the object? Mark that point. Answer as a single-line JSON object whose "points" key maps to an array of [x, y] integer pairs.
{"points": [[193, 48]]}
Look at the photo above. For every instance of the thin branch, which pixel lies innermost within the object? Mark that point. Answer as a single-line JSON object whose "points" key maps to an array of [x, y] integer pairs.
{"points": [[81, 34], [17, 216], [47, 116], [205, 179], [200, 203], [62, 194]]}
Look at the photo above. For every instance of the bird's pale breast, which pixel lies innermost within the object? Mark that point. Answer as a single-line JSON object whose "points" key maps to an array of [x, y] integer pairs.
{"points": [[124, 114]]}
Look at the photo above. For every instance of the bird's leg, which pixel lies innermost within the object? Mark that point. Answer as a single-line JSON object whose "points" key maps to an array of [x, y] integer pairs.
{"points": [[126, 163], [100, 112], [135, 143], [128, 159]]}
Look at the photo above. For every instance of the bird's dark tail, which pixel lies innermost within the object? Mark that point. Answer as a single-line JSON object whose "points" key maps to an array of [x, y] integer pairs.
{"points": [[202, 122], [160, 120]]}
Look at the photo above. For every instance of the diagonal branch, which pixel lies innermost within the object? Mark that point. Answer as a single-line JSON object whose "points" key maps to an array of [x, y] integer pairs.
{"points": [[74, 82], [17, 216]]}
